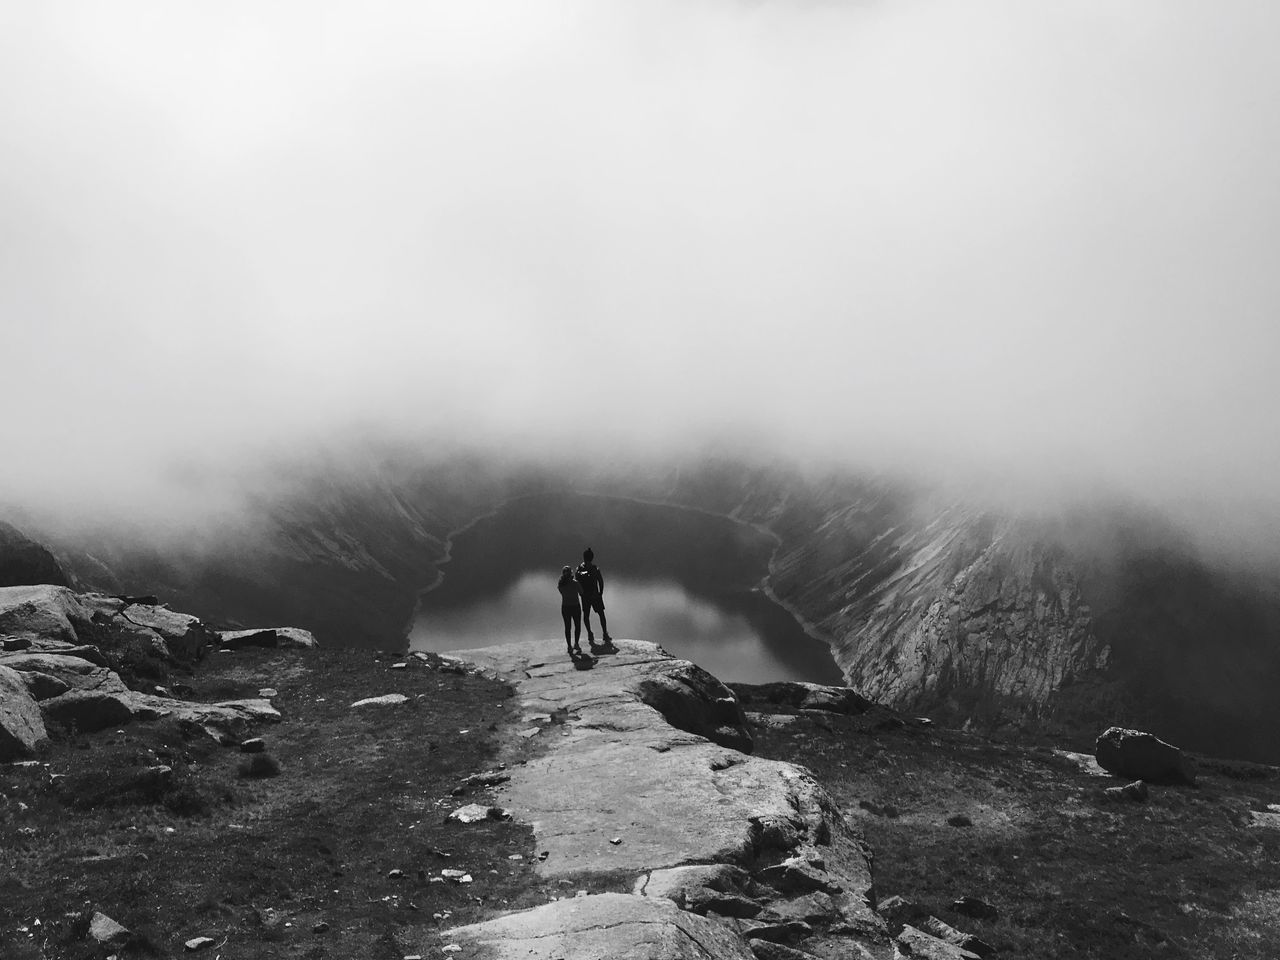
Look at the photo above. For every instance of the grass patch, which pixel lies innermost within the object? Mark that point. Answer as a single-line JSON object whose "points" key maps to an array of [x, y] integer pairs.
{"points": [[1184, 875]]}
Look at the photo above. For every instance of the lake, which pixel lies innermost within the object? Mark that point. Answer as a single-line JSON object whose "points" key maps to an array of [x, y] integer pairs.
{"points": [[680, 578]]}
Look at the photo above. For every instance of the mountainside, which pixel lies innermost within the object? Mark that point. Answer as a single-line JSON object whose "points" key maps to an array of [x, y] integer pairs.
{"points": [[1001, 619]]}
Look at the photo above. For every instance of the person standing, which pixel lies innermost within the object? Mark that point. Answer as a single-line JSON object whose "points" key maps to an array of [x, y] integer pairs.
{"points": [[591, 586], [571, 611]]}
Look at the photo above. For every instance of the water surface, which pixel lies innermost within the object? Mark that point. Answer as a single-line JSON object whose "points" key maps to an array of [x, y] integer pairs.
{"points": [[680, 578]]}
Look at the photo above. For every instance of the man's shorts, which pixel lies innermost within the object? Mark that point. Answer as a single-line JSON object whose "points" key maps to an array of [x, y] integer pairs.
{"points": [[593, 603]]}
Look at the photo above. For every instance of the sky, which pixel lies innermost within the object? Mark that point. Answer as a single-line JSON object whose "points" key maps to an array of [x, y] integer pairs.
{"points": [[1023, 239]]}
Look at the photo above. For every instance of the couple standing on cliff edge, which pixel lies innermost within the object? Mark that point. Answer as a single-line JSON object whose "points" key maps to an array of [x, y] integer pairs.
{"points": [[585, 583]]}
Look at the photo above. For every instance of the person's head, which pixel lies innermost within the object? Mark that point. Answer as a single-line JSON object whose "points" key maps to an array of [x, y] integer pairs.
{"points": [[566, 573], [588, 555]]}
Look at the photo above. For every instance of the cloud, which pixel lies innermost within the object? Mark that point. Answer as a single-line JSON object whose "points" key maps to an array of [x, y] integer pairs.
{"points": [[1026, 239]]}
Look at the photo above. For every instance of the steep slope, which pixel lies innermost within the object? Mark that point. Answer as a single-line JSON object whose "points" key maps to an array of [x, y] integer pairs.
{"points": [[343, 553], [23, 561], [998, 618]]}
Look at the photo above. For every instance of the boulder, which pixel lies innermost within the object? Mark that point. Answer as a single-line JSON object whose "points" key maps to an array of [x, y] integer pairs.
{"points": [[21, 726], [184, 636], [271, 637], [74, 671], [797, 875], [899, 911], [89, 710], [696, 887], [1143, 756], [106, 932], [918, 945], [43, 686], [692, 700], [803, 696], [943, 931], [42, 611]]}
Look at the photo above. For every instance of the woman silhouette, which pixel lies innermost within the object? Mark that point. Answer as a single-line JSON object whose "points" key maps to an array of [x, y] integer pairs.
{"points": [[570, 610]]}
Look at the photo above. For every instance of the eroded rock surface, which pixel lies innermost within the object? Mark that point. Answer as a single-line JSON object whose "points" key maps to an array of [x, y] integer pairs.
{"points": [[70, 653], [21, 726], [622, 786], [616, 925]]}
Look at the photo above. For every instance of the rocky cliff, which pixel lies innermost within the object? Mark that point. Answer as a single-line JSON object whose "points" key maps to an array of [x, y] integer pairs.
{"points": [[23, 561], [1006, 618]]}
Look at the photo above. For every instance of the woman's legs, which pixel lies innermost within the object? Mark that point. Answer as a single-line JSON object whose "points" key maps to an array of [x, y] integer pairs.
{"points": [[572, 615]]}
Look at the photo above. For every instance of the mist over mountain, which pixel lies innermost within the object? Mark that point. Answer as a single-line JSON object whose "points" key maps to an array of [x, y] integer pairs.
{"points": [[976, 300], [981, 240]]}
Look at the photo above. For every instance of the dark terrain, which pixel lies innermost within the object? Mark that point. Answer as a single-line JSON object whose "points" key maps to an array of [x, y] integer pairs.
{"points": [[257, 863], [1190, 873]]}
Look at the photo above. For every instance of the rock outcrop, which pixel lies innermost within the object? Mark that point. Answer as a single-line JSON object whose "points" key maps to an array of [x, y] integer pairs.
{"points": [[70, 659], [270, 637], [21, 726], [618, 788], [1143, 756]]}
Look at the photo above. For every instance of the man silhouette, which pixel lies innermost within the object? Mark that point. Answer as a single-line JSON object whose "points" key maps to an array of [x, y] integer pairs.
{"points": [[591, 585]]}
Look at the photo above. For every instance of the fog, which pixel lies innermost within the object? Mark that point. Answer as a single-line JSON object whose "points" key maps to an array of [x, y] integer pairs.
{"points": [[1029, 240]]}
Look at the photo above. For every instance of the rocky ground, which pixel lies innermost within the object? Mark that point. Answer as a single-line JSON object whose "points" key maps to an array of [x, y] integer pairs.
{"points": [[511, 804], [1071, 872]]}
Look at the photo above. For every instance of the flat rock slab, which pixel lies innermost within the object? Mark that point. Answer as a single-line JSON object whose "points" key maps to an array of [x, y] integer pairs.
{"points": [[619, 789], [614, 773], [615, 925]]}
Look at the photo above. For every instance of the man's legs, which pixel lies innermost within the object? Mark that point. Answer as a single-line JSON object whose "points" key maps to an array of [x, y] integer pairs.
{"points": [[586, 619]]}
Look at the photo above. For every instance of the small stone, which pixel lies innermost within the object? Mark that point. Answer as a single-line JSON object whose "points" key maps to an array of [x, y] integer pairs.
{"points": [[475, 812], [395, 874], [451, 874], [268, 692], [386, 700], [399, 666], [515, 856], [320, 927], [199, 943], [253, 745], [12, 644], [1136, 792], [451, 948], [615, 840], [106, 931]]}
